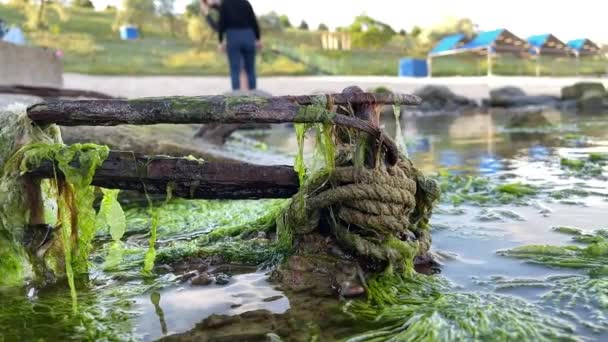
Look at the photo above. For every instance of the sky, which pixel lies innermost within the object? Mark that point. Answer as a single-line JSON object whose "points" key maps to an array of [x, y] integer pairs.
{"points": [[566, 19]]}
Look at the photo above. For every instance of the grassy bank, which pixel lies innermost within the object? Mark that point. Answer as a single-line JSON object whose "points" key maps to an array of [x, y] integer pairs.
{"points": [[90, 46]]}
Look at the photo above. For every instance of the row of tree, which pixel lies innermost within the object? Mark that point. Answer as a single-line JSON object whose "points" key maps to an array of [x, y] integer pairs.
{"points": [[366, 32]]}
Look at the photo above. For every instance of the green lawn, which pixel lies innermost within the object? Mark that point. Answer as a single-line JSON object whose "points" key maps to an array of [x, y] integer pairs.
{"points": [[90, 46]]}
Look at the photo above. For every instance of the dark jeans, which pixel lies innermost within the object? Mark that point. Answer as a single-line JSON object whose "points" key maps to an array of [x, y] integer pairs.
{"points": [[240, 45]]}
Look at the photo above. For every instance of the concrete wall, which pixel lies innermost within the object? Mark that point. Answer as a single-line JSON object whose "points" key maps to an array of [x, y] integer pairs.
{"points": [[32, 66]]}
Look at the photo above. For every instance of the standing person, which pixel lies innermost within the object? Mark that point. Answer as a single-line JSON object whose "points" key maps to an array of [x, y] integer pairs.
{"points": [[240, 27], [210, 9]]}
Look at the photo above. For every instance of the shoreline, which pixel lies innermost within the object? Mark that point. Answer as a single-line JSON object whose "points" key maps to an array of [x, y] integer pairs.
{"points": [[476, 88]]}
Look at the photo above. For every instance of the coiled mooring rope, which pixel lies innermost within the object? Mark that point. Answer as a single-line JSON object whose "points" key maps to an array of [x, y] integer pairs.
{"points": [[378, 213]]}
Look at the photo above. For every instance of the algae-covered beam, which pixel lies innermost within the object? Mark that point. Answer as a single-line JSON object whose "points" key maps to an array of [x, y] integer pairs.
{"points": [[189, 177], [219, 109], [50, 92], [208, 110]]}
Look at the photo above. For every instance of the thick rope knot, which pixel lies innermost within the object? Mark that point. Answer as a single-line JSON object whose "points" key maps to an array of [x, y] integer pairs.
{"points": [[377, 213]]}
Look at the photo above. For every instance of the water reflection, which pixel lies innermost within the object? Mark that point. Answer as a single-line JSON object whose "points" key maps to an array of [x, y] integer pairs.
{"points": [[184, 306]]}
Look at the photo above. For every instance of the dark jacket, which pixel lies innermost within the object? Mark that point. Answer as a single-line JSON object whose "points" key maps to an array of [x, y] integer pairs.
{"points": [[237, 14]]}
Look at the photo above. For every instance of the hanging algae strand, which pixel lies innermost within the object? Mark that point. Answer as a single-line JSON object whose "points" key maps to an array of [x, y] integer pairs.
{"points": [[151, 253], [76, 216]]}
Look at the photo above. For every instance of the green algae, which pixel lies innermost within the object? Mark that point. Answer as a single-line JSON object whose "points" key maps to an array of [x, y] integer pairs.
{"points": [[399, 139], [591, 257], [197, 228], [576, 164], [592, 166], [317, 112], [516, 189], [111, 217], [103, 315], [414, 307], [15, 131], [461, 189], [567, 230], [596, 157], [298, 165]]}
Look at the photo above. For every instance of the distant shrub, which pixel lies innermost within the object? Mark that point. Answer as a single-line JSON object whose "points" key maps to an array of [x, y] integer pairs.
{"points": [[198, 32], [192, 59], [83, 3], [76, 43], [283, 66]]}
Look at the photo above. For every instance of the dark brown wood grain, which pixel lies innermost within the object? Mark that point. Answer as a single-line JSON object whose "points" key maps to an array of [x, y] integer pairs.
{"points": [[189, 178]]}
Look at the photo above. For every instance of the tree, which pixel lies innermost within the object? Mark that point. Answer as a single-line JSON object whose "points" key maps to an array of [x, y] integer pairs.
{"points": [[193, 8], [135, 12], [322, 27], [402, 32], [36, 13], [270, 22], [197, 31], [416, 30], [367, 32], [83, 3], [303, 26], [164, 9], [284, 20], [433, 34]]}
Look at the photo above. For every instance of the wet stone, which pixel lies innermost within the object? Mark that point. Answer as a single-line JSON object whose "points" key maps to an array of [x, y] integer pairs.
{"points": [[351, 289], [222, 279], [202, 279], [215, 321], [163, 269], [187, 276]]}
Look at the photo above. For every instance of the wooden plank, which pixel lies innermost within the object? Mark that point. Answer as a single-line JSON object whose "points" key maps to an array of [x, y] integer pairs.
{"points": [[203, 110], [189, 178]]}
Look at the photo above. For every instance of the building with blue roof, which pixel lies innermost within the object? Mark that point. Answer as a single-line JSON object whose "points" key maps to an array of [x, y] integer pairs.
{"points": [[448, 44], [583, 46], [546, 44], [487, 43]]}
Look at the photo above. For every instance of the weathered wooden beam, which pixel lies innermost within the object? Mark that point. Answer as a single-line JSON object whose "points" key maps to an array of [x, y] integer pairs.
{"points": [[203, 109], [50, 92], [189, 178], [219, 109]]}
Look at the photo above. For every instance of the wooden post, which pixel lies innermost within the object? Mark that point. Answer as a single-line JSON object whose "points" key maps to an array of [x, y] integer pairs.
{"points": [[489, 67], [429, 65], [366, 112]]}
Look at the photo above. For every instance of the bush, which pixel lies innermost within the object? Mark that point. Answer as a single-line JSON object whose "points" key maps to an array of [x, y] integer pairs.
{"points": [[76, 43], [197, 31], [83, 3], [193, 59], [283, 66]]}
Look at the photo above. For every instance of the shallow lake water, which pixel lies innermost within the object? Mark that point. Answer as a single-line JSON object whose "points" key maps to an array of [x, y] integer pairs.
{"points": [[466, 237]]}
